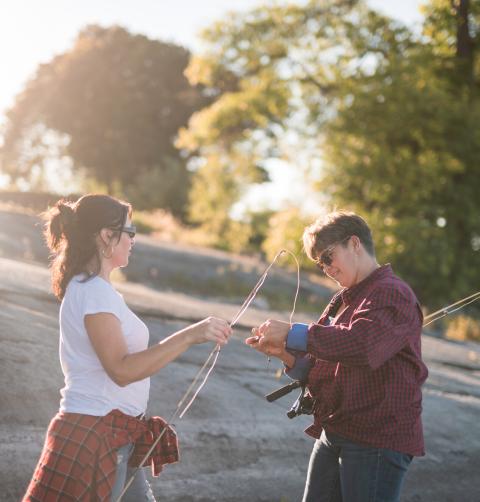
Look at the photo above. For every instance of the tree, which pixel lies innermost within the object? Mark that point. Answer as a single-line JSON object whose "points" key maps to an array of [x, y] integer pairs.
{"points": [[213, 190], [120, 99], [403, 149], [285, 231], [392, 115], [232, 136]]}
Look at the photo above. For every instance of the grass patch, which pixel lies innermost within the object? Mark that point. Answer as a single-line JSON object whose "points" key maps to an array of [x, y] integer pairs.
{"points": [[162, 225], [463, 328]]}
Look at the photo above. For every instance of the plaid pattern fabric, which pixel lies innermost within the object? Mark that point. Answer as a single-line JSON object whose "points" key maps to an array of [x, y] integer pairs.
{"points": [[79, 458], [367, 369]]}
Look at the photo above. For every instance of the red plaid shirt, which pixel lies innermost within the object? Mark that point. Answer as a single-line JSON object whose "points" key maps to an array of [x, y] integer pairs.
{"points": [[79, 458], [367, 369]]}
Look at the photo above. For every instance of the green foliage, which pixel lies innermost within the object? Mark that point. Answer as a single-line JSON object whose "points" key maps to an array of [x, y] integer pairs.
{"points": [[259, 223], [167, 182], [285, 231], [403, 151], [119, 99], [143, 226], [237, 132], [393, 116], [213, 190]]}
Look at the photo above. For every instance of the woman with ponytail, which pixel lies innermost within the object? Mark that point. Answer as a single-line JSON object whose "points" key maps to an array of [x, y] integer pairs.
{"points": [[100, 431]]}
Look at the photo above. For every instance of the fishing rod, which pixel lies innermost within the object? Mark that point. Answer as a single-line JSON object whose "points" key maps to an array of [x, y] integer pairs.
{"points": [[304, 403], [443, 312]]}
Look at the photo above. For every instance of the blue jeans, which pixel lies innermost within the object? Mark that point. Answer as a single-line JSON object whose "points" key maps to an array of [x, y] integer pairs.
{"points": [[139, 490], [341, 470]]}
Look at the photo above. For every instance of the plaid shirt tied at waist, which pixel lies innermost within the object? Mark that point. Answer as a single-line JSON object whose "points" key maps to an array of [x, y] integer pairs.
{"points": [[79, 457]]}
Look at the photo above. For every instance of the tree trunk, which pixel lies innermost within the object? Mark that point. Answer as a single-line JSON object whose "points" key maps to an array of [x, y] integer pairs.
{"points": [[465, 46]]}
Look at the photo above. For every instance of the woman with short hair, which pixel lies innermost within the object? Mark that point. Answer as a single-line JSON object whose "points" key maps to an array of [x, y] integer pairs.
{"points": [[362, 364]]}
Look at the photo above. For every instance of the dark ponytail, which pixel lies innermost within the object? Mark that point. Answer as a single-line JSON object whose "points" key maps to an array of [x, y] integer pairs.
{"points": [[59, 225], [70, 232]]}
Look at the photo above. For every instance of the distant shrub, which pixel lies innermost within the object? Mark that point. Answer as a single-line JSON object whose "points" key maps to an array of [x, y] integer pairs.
{"points": [[259, 227], [285, 230], [162, 225], [158, 222], [165, 186], [463, 328], [142, 222]]}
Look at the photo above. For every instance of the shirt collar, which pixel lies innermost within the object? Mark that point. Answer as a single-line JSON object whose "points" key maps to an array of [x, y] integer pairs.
{"points": [[349, 295]]}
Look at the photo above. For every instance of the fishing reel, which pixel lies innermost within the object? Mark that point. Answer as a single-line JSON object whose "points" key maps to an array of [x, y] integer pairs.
{"points": [[304, 404]]}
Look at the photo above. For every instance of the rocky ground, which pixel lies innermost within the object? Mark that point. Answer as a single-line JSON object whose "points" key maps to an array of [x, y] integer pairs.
{"points": [[234, 445]]}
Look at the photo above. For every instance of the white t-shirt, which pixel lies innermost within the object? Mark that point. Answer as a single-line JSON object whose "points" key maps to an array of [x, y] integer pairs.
{"points": [[88, 389]]}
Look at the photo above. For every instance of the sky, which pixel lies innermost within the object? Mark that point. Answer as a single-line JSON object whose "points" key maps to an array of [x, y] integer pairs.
{"points": [[33, 32]]}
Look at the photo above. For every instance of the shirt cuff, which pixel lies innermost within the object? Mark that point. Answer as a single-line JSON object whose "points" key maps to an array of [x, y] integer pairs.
{"points": [[300, 370], [297, 337]]}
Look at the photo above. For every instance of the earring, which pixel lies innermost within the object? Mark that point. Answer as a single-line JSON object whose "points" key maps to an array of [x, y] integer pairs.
{"points": [[107, 256]]}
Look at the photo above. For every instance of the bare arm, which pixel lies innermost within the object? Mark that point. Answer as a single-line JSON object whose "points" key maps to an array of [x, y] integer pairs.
{"points": [[105, 333]]}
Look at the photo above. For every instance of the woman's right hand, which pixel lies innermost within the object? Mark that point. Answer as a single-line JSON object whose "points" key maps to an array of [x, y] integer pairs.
{"points": [[211, 329]]}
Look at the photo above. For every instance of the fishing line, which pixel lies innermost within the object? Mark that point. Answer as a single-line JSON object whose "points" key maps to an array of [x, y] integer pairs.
{"points": [[239, 314], [443, 312], [213, 357]]}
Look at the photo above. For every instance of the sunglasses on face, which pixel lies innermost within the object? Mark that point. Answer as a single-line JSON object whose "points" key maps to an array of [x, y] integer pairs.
{"points": [[130, 230], [326, 256]]}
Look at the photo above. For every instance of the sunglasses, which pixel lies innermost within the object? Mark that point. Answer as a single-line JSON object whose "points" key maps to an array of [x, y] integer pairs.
{"points": [[326, 256], [131, 231]]}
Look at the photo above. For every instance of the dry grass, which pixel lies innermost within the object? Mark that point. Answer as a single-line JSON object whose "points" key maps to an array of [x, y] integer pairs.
{"points": [[12, 207], [463, 328], [163, 226]]}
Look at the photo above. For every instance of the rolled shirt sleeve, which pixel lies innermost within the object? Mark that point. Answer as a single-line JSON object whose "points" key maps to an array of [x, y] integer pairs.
{"points": [[297, 337]]}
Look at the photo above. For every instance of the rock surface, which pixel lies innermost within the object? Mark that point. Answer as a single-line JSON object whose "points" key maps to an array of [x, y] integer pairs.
{"points": [[234, 445]]}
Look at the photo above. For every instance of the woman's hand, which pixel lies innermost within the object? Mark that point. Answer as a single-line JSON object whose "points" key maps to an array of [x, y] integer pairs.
{"points": [[108, 341], [211, 329], [269, 338], [260, 343]]}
